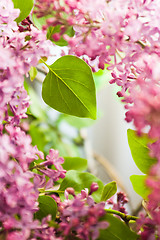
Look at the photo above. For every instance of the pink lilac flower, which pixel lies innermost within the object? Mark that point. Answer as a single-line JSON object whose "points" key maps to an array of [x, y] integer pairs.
{"points": [[19, 51], [119, 202], [44, 231], [18, 199], [155, 150], [81, 216], [144, 111], [24, 152], [7, 17], [52, 159], [149, 226], [19, 195]]}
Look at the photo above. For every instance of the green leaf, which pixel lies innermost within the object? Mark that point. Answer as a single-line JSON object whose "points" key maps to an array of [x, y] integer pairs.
{"points": [[47, 205], [36, 109], [25, 7], [75, 163], [117, 230], [139, 186], [78, 122], [38, 135], [109, 190], [80, 181], [140, 150], [69, 87], [33, 73]]}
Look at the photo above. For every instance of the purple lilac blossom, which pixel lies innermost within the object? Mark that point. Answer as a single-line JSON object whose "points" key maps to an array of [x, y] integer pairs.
{"points": [[81, 216], [118, 201], [19, 51]]}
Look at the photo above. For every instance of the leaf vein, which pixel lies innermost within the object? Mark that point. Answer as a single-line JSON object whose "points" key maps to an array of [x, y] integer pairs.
{"points": [[61, 93], [69, 89], [77, 82]]}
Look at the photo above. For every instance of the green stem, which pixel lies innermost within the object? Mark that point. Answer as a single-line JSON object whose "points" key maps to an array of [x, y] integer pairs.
{"points": [[125, 218], [45, 63], [50, 68], [53, 191]]}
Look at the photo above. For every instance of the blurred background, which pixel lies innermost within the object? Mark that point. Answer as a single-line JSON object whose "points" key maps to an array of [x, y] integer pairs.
{"points": [[108, 137]]}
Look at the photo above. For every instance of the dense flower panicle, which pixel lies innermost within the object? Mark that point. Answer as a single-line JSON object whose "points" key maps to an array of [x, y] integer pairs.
{"points": [[80, 216], [18, 198], [18, 194], [19, 51], [7, 17], [20, 143]]}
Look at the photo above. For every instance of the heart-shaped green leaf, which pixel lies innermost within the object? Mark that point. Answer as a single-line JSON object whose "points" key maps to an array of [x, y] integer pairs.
{"points": [[69, 87]]}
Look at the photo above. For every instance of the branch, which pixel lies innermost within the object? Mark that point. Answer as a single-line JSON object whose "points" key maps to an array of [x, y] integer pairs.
{"points": [[123, 216]]}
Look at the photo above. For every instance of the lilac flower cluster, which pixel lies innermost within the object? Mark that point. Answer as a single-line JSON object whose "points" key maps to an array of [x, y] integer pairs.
{"points": [[52, 159], [23, 152], [81, 216], [19, 51], [18, 189], [44, 231], [18, 194], [118, 203]]}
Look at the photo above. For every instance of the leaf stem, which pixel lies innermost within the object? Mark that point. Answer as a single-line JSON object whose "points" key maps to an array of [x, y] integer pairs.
{"points": [[51, 70], [45, 63], [125, 218], [53, 191]]}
